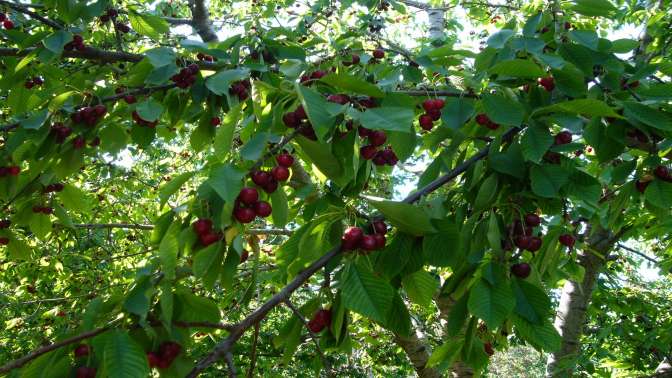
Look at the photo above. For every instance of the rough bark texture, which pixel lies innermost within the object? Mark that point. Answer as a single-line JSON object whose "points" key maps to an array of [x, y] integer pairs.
{"points": [[664, 369], [417, 350], [437, 20], [571, 314], [202, 24]]}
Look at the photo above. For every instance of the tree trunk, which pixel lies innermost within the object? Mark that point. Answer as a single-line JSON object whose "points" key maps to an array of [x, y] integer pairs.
{"points": [[201, 21], [436, 23], [417, 350], [571, 314]]}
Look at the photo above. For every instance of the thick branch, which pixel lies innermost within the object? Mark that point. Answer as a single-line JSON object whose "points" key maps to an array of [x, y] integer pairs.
{"points": [[133, 226], [201, 21]]}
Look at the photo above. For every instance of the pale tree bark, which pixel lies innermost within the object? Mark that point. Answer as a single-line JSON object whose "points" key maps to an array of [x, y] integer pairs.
{"points": [[417, 349], [437, 21], [201, 20], [574, 301]]}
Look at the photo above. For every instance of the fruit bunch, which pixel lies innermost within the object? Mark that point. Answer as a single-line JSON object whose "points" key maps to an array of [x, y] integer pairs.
{"points": [[60, 132], [206, 235], [6, 22], [34, 81], [547, 82], [167, 353], [247, 206], [89, 115], [143, 122], [320, 320], [12, 170], [241, 89], [483, 120], [77, 43], [522, 233], [663, 173], [111, 14], [372, 151], [205, 57], [186, 77], [310, 79], [299, 119], [53, 188], [354, 238], [432, 113]]}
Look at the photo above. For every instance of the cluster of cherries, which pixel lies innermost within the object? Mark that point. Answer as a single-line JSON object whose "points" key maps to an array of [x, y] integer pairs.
{"points": [[241, 89], [111, 14], [205, 57], [522, 233], [89, 115], [320, 320], [43, 209], [53, 188], [143, 122], [12, 170], [168, 352], [33, 82], [661, 172], [247, 206], [129, 98], [371, 151], [483, 120], [432, 113], [60, 132], [267, 55], [77, 43], [206, 235], [299, 119], [81, 351], [547, 82], [6, 22], [268, 181], [563, 137], [307, 80], [354, 238], [186, 77]]}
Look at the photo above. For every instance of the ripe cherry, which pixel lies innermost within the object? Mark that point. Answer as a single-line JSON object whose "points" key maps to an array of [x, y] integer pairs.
{"points": [[8, 24], [368, 243], [85, 372], [153, 359], [14, 170], [641, 185], [271, 186], [377, 138], [263, 209], [567, 240], [523, 241], [244, 214], [280, 173], [82, 350], [248, 196], [4, 240], [426, 122], [378, 53], [291, 120], [435, 114], [379, 159], [244, 256], [215, 121], [535, 244], [338, 99], [363, 132], [532, 220], [351, 238], [367, 152], [209, 238], [285, 160], [521, 270], [662, 172], [380, 240], [563, 137], [379, 227], [202, 226], [5, 223], [428, 104], [548, 83], [261, 178], [489, 350], [320, 320]]}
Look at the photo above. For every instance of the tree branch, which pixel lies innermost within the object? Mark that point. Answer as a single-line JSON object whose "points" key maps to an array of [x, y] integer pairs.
{"points": [[24, 9], [434, 92], [638, 253], [133, 226], [201, 21], [253, 357], [230, 365]]}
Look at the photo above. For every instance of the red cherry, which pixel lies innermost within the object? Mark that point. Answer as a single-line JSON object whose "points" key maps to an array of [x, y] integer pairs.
{"points": [[435, 114], [291, 120], [355, 59], [380, 240], [521, 270], [532, 220], [248, 196], [167, 352], [271, 186], [389, 156], [368, 243], [379, 227], [215, 121], [261, 178], [280, 173], [563, 137], [439, 103], [428, 104], [5, 223], [379, 158], [338, 99], [320, 320], [244, 214], [209, 238], [548, 83], [363, 132], [244, 256], [367, 152], [263, 209], [482, 119], [523, 242], [662, 172], [153, 359], [488, 349], [3, 17], [351, 238], [202, 226], [4, 240], [78, 142], [8, 24], [567, 240], [100, 110], [641, 185], [285, 160], [377, 138], [535, 244], [14, 170], [378, 53], [426, 122], [82, 350], [86, 372], [300, 113], [318, 75]]}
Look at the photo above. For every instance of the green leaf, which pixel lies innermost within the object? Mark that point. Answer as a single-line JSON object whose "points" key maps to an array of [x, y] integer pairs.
{"points": [[456, 112], [123, 357], [420, 287], [498, 40], [150, 109], [487, 193], [393, 259], [161, 56], [18, 249], [442, 248], [594, 8], [548, 179], [622, 46], [503, 110], [492, 304], [224, 135], [544, 336], [220, 82], [168, 250], [444, 356], [40, 225], [586, 106], [366, 294], [254, 148], [173, 186], [659, 194], [316, 108], [532, 303], [606, 146], [148, 25], [586, 38], [314, 242], [510, 162], [457, 316], [518, 68], [569, 80], [74, 198], [204, 259], [387, 118], [48, 365], [280, 206], [352, 84], [226, 181], [36, 120], [321, 156], [647, 115], [407, 218], [398, 319], [137, 300], [57, 40], [192, 308], [536, 141]]}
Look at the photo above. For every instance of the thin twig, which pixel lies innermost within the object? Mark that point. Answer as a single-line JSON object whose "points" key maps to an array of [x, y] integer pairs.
{"points": [[230, 365], [638, 253], [253, 357]]}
